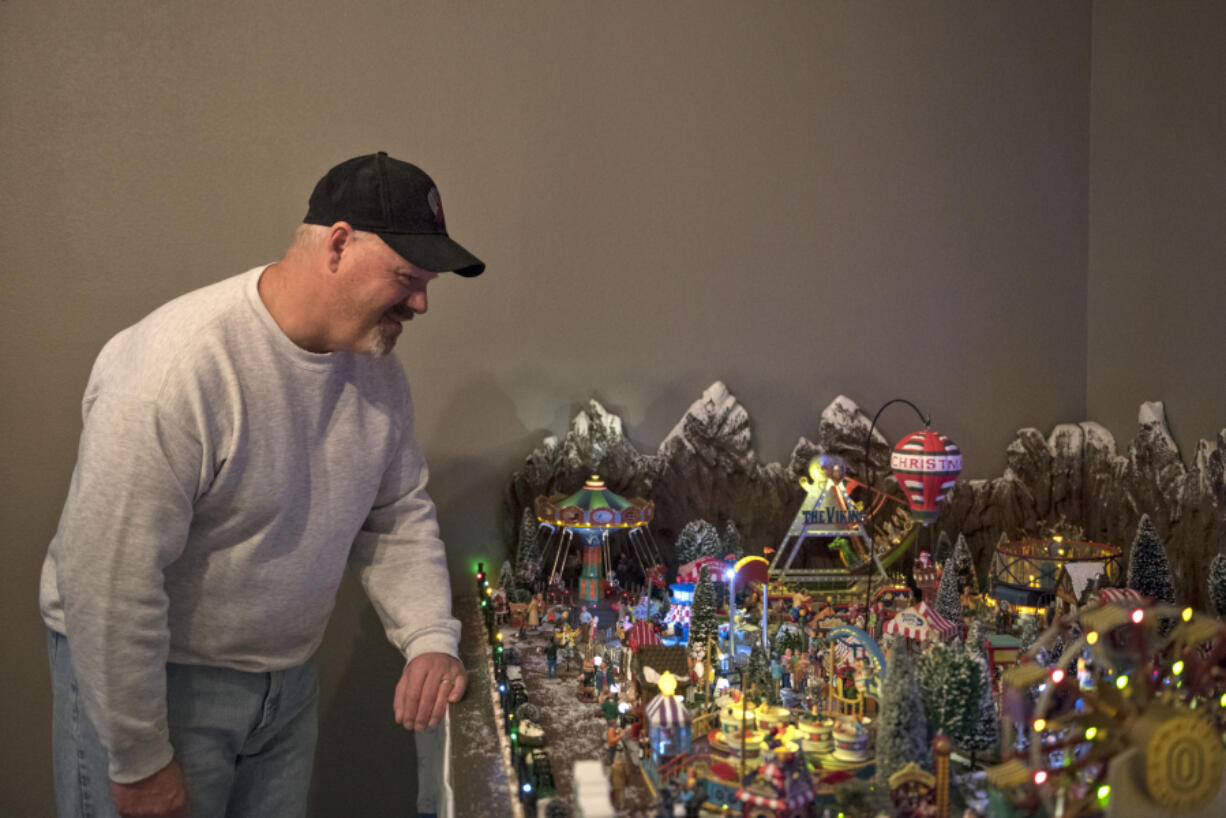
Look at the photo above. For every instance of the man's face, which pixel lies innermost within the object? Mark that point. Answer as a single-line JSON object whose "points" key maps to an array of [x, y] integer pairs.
{"points": [[380, 291]]}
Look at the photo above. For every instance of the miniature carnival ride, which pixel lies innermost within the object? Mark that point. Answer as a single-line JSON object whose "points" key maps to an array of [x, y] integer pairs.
{"points": [[1030, 575], [1130, 718], [829, 513], [591, 515]]}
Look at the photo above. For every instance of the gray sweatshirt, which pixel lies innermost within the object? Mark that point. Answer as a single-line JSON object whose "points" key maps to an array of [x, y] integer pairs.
{"points": [[224, 478]]}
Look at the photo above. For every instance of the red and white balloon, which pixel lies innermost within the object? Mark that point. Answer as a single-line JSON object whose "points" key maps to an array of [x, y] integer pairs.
{"points": [[926, 465]]}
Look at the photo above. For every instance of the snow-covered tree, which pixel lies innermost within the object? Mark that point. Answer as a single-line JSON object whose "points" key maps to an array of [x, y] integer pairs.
{"points": [[948, 602], [733, 542], [697, 539], [1030, 632], [758, 682], [945, 547], [1217, 584], [1149, 572], [702, 613], [902, 730], [984, 732], [506, 576], [528, 554], [949, 682], [965, 565]]}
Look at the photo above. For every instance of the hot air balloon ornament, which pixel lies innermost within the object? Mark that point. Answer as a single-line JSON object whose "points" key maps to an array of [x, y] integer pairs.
{"points": [[926, 465]]}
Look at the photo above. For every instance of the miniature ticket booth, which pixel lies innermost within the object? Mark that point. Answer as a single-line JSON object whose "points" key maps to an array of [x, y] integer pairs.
{"points": [[1003, 651], [668, 721]]}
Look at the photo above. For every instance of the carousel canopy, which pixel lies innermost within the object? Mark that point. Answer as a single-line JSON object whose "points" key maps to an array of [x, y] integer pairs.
{"points": [[667, 711], [920, 622], [595, 494], [595, 505]]}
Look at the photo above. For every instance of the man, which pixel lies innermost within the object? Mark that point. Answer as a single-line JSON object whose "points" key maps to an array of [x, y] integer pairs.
{"points": [[241, 445]]}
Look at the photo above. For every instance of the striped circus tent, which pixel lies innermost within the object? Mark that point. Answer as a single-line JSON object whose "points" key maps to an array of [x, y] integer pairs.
{"points": [[642, 633], [714, 566], [666, 711], [920, 623], [1124, 596], [678, 615]]}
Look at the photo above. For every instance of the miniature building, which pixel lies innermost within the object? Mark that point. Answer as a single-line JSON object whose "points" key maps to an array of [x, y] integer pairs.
{"points": [[660, 658]]}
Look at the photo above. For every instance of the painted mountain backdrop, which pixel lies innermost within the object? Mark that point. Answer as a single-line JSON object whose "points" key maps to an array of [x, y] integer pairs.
{"points": [[706, 468]]}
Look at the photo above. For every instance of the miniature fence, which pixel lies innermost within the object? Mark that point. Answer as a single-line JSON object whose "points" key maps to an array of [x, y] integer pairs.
{"points": [[704, 724]]}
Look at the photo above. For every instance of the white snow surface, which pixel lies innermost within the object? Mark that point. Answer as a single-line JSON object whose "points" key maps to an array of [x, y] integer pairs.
{"points": [[715, 402], [845, 413], [1153, 413]]}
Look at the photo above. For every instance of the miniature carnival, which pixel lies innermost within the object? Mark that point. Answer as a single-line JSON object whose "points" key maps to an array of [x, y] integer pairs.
{"points": [[848, 670]]}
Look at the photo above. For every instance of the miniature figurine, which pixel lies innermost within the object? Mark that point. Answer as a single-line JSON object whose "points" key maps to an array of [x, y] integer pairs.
{"points": [[534, 611], [551, 659]]}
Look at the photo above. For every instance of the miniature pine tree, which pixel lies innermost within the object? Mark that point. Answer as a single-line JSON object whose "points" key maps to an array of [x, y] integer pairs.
{"points": [[697, 539], [902, 731], [733, 542], [965, 566], [1030, 632], [1217, 584], [949, 683], [702, 613], [758, 676], [1149, 572], [984, 732], [506, 576], [945, 548], [949, 602], [528, 554]]}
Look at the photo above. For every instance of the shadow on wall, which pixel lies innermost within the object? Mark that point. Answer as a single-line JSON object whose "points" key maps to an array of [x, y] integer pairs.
{"points": [[469, 463], [365, 763]]}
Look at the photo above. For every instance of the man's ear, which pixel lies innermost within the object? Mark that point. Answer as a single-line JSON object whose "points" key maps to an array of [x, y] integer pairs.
{"points": [[339, 238]]}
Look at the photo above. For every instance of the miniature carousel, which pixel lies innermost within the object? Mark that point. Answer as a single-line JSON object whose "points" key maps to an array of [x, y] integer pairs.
{"points": [[591, 515], [1028, 575]]}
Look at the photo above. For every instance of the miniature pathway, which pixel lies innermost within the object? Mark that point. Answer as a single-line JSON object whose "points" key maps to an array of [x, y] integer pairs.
{"points": [[573, 729]]}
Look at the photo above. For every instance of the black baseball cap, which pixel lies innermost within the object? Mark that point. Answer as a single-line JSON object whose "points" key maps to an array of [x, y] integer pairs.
{"points": [[397, 202]]}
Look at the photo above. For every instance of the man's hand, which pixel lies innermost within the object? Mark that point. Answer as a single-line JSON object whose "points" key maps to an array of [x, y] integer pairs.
{"points": [[161, 795], [426, 686]]}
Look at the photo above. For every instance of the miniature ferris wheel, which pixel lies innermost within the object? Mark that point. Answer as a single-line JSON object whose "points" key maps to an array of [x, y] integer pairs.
{"points": [[1131, 718]]}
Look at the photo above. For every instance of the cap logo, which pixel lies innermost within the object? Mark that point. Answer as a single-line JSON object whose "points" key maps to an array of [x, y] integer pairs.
{"points": [[436, 207]]}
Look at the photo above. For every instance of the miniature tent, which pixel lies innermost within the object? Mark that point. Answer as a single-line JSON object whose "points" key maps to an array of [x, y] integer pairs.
{"points": [[642, 633], [714, 566], [1123, 596], [921, 623], [1075, 577], [668, 721]]}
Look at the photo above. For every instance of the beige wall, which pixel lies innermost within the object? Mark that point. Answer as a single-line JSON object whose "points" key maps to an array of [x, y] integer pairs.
{"points": [[1157, 274], [800, 199]]}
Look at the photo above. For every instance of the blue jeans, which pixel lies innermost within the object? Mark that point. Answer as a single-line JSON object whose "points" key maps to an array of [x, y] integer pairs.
{"points": [[246, 741], [551, 668]]}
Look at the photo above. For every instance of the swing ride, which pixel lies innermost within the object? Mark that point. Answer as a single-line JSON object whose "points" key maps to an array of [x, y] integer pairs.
{"points": [[591, 516]]}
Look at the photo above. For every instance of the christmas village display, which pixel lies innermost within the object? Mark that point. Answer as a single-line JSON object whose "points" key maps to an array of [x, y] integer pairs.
{"points": [[869, 661]]}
